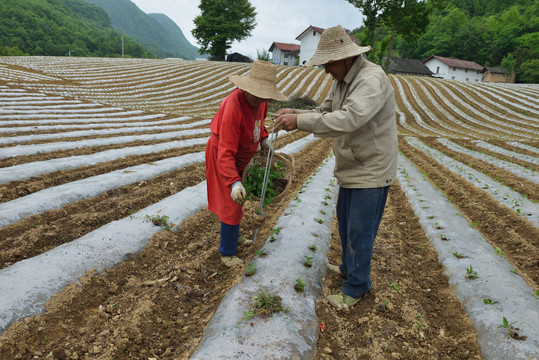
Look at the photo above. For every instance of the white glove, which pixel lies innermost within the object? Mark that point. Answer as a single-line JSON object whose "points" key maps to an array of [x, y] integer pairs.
{"points": [[238, 193]]}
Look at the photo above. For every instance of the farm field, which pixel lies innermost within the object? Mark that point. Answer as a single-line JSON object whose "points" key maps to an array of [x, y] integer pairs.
{"points": [[92, 150]]}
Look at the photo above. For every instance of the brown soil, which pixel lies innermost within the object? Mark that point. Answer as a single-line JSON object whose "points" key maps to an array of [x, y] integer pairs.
{"points": [[155, 304]]}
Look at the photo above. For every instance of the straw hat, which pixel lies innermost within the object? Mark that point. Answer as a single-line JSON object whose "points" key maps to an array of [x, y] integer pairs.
{"points": [[335, 44], [260, 81]]}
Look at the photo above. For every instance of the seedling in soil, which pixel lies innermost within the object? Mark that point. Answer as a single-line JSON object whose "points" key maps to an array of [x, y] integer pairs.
{"points": [[470, 273], [394, 286], [308, 261], [250, 270], [300, 285], [458, 255], [313, 247], [536, 295], [320, 221], [499, 251], [511, 330], [261, 252], [265, 304], [489, 301], [444, 238], [159, 220]]}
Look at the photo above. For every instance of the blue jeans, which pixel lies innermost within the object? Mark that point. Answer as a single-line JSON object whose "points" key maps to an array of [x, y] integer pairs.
{"points": [[359, 212], [229, 239]]}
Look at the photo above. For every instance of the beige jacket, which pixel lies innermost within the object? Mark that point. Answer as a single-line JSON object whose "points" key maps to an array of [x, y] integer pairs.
{"points": [[359, 114]]}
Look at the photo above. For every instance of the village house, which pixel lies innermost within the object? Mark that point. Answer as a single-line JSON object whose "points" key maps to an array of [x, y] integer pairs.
{"points": [[451, 68], [309, 39], [284, 54], [500, 75]]}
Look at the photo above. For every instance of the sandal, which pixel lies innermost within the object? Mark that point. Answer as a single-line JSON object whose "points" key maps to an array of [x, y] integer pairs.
{"points": [[231, 261], [342, 301], [335, 270]]}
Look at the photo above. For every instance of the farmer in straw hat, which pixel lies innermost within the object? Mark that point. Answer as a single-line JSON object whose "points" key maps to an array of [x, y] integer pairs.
{"points": [[359, 114], [236, 130]]}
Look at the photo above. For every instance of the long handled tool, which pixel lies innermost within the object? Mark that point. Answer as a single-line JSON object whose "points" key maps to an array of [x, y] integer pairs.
{"points": [[258, 218]]}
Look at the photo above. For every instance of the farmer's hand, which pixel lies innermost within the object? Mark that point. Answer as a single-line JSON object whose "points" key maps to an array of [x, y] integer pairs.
{"points": [[285, 111], [287, 122], [238, 193]]}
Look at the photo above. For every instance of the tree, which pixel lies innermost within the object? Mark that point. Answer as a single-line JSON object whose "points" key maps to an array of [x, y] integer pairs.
{"points": [[372, 10], [220, 23], [263, 55]]}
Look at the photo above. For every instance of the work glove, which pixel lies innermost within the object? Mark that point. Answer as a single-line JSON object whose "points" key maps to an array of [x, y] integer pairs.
{"points": [[238, 193], [264, 145], [264, 148]]}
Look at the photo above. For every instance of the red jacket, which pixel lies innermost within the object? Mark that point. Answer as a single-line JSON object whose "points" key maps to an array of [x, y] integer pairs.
{"points": [[236, 129]]}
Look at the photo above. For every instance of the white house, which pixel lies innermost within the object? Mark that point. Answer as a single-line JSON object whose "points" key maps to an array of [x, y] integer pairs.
{"points": [[454, 69], [309, 39], [284, 54]]}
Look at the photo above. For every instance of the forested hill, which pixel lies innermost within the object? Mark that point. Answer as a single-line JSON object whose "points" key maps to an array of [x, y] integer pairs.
{"points": [[148, 30], [173, 31], [61, 27], [88, 28]]}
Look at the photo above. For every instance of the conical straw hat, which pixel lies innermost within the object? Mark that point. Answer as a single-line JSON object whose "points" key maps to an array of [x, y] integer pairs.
{"points": [[335, 44], [260, 81]]}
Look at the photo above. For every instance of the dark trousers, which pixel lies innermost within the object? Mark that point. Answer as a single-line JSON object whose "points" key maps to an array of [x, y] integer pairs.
{"points": [[229, 239], [359, 212]]}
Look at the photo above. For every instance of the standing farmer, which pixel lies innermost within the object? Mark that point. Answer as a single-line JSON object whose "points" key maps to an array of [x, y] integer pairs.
{"points": [[236, 130], [359, 114]]}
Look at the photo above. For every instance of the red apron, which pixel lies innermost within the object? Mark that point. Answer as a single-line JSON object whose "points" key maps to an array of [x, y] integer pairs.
{"points": [[236, 129]]}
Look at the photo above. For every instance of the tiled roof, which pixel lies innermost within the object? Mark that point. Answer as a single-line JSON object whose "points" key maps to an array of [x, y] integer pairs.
{"points": [[286, 47], [315, 28], [408, 66], [451, 61], [496, 70]]}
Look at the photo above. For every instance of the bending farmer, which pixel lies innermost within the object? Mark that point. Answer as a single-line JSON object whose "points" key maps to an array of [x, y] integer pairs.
{"points": [[236, 130]]}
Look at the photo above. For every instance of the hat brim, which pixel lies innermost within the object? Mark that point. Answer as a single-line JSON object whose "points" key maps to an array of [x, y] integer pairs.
{"points": [[321, 57], [258, 88]]}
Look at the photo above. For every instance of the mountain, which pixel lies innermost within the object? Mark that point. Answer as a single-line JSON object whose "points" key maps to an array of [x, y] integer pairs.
{"points": [[60, 28], [157, 33], [187, 51]]}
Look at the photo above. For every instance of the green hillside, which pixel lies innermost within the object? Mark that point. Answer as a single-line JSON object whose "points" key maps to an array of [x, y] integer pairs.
{"points": [[187, 50], [149, 31], [60, 28]]}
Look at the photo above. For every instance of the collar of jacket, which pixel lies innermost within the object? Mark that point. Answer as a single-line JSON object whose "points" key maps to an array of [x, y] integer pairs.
{"points": [[356, 67]]}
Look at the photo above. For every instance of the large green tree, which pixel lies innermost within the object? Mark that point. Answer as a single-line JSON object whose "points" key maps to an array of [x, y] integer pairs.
{"points": [[220, 23]]}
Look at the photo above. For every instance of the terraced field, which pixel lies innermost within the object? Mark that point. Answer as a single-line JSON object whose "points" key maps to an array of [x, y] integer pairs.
{"points": [[95, 154]]}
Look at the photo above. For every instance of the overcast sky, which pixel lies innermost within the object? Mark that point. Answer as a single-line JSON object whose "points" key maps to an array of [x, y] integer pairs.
{"points": [[277, 20]]}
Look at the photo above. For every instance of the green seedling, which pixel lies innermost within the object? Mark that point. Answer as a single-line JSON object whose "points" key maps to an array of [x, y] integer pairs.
{"points": [[499, 251], [508, 326], [300, 285], [320, 221], [308, 261], [394, 286], [250, 270], [264, 305], [255, 179], [458, 255], [261, 252], [313, 247], [159, 220], [470, 273], [489, 301], [536, 295]]}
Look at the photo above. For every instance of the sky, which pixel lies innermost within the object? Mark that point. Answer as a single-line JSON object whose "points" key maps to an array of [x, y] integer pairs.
{"points": [[277, 20]]}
